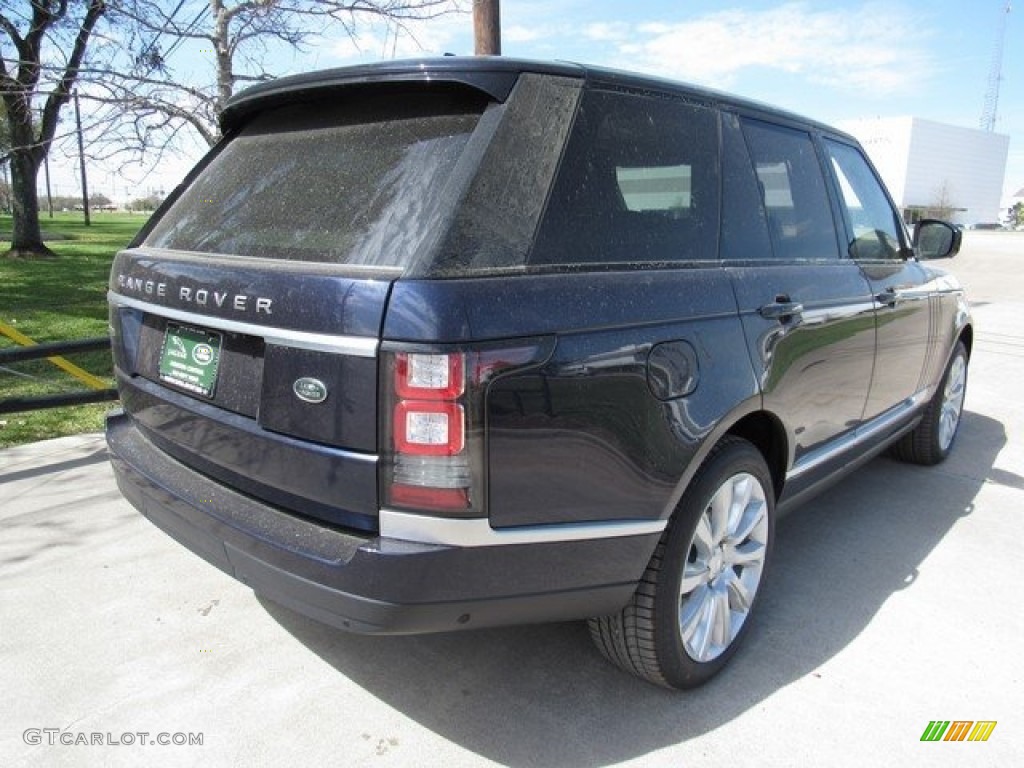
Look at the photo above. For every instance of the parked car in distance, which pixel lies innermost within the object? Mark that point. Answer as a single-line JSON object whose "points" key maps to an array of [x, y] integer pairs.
{"points": [[443, 344]]}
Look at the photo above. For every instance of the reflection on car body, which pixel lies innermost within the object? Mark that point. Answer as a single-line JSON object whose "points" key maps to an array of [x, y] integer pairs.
{"points": [[506, 341]]}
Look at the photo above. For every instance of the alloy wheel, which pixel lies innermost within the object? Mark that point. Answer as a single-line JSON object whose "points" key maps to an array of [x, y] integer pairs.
{"points": [[723, 568]]}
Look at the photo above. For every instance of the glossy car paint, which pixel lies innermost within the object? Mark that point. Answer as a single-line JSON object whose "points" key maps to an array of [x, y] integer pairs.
{"points": [[588, 448]]}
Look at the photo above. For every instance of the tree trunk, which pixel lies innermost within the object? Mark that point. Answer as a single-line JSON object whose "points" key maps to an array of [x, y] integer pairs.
{"points": [[26, 236], [222, 51]]}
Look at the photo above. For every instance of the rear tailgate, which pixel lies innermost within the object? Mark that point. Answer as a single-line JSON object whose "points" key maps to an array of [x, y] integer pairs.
{"points": [[247, 316], [262, 378]]}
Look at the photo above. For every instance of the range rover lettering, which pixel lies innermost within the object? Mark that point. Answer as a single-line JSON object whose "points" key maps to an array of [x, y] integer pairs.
{"points": [[444, 344]]}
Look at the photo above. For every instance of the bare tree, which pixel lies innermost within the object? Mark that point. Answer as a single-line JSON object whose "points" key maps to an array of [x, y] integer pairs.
{"points": [[34, 89], [238, 35], [141, 104], [942, 206]]}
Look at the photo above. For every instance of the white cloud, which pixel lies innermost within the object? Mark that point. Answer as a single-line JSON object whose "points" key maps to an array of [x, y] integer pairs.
{"points": [[615, 31], [374, 39], [870, 47], [521, 34]]}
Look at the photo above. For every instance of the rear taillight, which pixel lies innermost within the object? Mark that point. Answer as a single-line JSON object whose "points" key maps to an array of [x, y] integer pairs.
{"points": [[430, 377], [430, 459], [433, 457], [425, 428]]}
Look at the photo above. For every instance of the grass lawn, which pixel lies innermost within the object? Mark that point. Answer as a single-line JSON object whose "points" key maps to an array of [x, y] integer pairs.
{"points": [[59, 300]]}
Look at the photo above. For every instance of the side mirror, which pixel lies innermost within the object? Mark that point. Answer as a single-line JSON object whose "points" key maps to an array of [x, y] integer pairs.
{"points": [[934, 239]]}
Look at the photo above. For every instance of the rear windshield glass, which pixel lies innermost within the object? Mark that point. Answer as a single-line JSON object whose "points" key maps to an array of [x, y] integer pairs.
{"points": [[351, 182]]}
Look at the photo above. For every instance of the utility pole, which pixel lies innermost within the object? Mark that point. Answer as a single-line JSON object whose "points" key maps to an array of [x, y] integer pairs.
{"points": [[487, 27], [49, 195], [81, 160], [7, 203]]}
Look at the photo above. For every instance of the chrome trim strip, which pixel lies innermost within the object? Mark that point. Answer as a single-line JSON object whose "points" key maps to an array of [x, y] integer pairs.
{"points": [[858, 436], [479, 533], [357, 346]]}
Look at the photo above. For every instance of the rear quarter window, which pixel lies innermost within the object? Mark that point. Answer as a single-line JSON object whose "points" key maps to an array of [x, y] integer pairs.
{"points": [[357, 181], [638, 184]]}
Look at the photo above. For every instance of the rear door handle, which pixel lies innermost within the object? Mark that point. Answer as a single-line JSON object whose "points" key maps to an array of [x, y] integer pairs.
{"points": [[782, 309]]}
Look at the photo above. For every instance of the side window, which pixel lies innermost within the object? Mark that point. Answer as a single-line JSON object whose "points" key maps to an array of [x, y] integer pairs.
{"points": [[744, 227], [793, 191], [638, 184], [870, 219]]}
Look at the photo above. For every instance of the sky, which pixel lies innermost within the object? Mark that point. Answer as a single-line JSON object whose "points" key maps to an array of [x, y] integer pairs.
{"points": [[832, 61]]}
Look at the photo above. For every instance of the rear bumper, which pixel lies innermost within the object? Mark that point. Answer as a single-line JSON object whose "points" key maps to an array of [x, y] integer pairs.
{"points": [[367, 583]]}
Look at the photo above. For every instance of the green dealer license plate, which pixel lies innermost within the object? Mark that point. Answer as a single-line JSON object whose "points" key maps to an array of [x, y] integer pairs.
{"points": [[189, 358]]}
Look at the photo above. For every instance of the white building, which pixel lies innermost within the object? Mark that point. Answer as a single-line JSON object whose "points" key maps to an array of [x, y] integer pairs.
{"points": [[929, 165]]}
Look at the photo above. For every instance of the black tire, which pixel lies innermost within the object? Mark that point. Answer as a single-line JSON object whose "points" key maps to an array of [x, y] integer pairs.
{"points": [[646, 637], [931, 441]]}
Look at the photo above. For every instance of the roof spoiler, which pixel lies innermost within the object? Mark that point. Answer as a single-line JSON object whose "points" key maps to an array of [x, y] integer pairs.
{"points": [[493, 76]]}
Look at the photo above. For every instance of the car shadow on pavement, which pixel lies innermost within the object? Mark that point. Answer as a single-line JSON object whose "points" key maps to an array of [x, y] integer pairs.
{"points": [[40, 507], [98, 456], [542, 695]]}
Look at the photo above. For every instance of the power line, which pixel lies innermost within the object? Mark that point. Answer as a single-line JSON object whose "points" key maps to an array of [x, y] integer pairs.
{"points": [[159, 32], [182, 36]]}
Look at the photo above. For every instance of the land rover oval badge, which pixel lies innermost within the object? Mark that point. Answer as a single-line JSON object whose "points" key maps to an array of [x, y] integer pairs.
{"points": [[310, 390]]}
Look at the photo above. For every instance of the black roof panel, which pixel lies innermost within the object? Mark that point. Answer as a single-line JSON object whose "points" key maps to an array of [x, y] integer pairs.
{"points": [[493, 75]]}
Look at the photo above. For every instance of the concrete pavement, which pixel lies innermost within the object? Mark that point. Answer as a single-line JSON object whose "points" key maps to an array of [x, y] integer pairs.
{"points": [[893, 601]]}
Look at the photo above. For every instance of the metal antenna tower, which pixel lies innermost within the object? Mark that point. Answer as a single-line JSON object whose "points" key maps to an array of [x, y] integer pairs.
{"points": [[995, 75]]}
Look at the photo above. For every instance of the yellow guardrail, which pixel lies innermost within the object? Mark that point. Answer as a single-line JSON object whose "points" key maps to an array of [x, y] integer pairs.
{"points": [[85, 377]]}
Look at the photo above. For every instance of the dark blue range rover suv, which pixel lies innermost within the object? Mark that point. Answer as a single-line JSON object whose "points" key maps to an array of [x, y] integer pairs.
{"points": [[444, 344]]}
